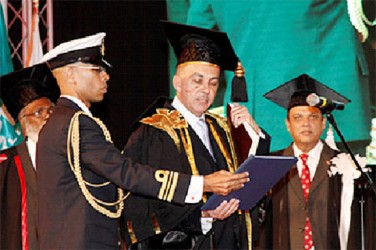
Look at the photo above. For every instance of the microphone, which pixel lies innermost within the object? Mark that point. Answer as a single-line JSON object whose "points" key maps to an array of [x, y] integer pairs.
{"points": [[323, 103]]}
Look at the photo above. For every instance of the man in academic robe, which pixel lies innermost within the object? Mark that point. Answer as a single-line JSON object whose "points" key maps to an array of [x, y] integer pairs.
{"points": [[305, 204], [197, 141], [29, 95]]}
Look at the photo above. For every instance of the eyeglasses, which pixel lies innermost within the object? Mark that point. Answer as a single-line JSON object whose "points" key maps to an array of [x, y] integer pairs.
{"points": [[99, 69], [41, 112]]}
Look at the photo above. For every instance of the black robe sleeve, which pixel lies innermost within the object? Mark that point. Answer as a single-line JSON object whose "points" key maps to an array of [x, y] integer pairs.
{"points": [[146, 217]]}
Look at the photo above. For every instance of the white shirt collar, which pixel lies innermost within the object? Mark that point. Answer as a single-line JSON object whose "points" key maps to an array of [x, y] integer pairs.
{"points": [[188, 116], [79, 103], [193, 121], [32, 149], [313, 159]]}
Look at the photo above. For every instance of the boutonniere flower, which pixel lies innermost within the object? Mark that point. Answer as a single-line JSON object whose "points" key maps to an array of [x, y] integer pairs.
{"points": [[342, 164]]}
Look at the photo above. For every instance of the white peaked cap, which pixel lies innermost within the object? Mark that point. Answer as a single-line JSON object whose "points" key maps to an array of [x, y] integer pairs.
{"points": [[89, 49]]}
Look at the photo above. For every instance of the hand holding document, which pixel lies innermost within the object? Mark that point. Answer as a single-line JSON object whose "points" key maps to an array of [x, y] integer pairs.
{"points": [[264, 173]]}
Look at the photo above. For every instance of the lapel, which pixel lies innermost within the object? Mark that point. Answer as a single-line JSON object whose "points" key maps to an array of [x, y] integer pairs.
{"points": [[30, 173], [204, 161], [220, 159], [293, 176], [199, 144], [322, 168], [320, 175]]}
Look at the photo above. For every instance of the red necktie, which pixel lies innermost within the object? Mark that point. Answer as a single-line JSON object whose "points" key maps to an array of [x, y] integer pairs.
{"points": [[306, 183]]}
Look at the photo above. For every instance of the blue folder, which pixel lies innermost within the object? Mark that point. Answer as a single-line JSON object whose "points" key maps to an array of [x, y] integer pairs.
{"points": [[264, 173]]}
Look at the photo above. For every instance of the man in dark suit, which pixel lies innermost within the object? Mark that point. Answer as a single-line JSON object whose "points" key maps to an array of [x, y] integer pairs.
{"points": [[305, 204], [81, 174], [197, 141], [28, 95]]}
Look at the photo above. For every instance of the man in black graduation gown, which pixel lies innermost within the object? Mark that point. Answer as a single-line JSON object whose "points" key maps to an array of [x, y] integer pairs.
{"points": [[196, 141], [28, 95], [81, 174]]}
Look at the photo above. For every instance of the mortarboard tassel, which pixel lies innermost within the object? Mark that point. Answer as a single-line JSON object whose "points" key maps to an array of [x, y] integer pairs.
{"points": [[330, 138], [239, 88]]}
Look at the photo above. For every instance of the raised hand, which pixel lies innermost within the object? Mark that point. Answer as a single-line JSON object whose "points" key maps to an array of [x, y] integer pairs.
{"points": [[239, 114]]}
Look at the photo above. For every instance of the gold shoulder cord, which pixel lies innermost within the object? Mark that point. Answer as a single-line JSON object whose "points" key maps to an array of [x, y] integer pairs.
{"points": [[73, 143]]}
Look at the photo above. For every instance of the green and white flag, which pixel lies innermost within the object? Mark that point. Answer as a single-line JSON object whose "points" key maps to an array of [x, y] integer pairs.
{"points": [[9, 135]]}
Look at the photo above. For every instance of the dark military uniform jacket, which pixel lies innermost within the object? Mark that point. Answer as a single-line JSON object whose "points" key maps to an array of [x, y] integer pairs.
{"points": [[66, 218], [11, 195], [165, 139]]}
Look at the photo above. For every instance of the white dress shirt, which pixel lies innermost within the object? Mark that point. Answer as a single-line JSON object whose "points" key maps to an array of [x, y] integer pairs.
{"points": [[194, 122], [313, 158], [32, 150], [198, 124]]}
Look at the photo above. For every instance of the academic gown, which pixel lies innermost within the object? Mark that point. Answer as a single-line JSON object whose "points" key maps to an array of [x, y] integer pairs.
{"points": [[10, 198], [66, 219], [154, 145]]}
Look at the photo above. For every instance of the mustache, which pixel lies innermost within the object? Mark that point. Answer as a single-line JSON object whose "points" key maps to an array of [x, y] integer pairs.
{"points": [[203, 97]]}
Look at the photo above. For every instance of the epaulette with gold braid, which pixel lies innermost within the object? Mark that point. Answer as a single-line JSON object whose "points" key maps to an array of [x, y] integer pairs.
{"points": [[167, 120]]}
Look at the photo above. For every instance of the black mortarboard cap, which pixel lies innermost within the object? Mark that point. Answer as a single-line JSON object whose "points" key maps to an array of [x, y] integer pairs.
{"points": [[89, 49], [19, 88], [194, 44], [294, 92]]}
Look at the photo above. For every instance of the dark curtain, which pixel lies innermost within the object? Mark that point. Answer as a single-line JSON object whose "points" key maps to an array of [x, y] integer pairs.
{"points": [[135, 46]]}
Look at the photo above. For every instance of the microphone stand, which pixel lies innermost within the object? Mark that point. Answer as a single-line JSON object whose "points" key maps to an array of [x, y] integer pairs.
{"points": [[332, 121]]}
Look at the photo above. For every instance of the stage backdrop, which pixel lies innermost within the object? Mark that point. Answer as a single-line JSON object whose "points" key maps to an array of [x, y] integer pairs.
{"points": [[138, 50], [135, 46]]}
